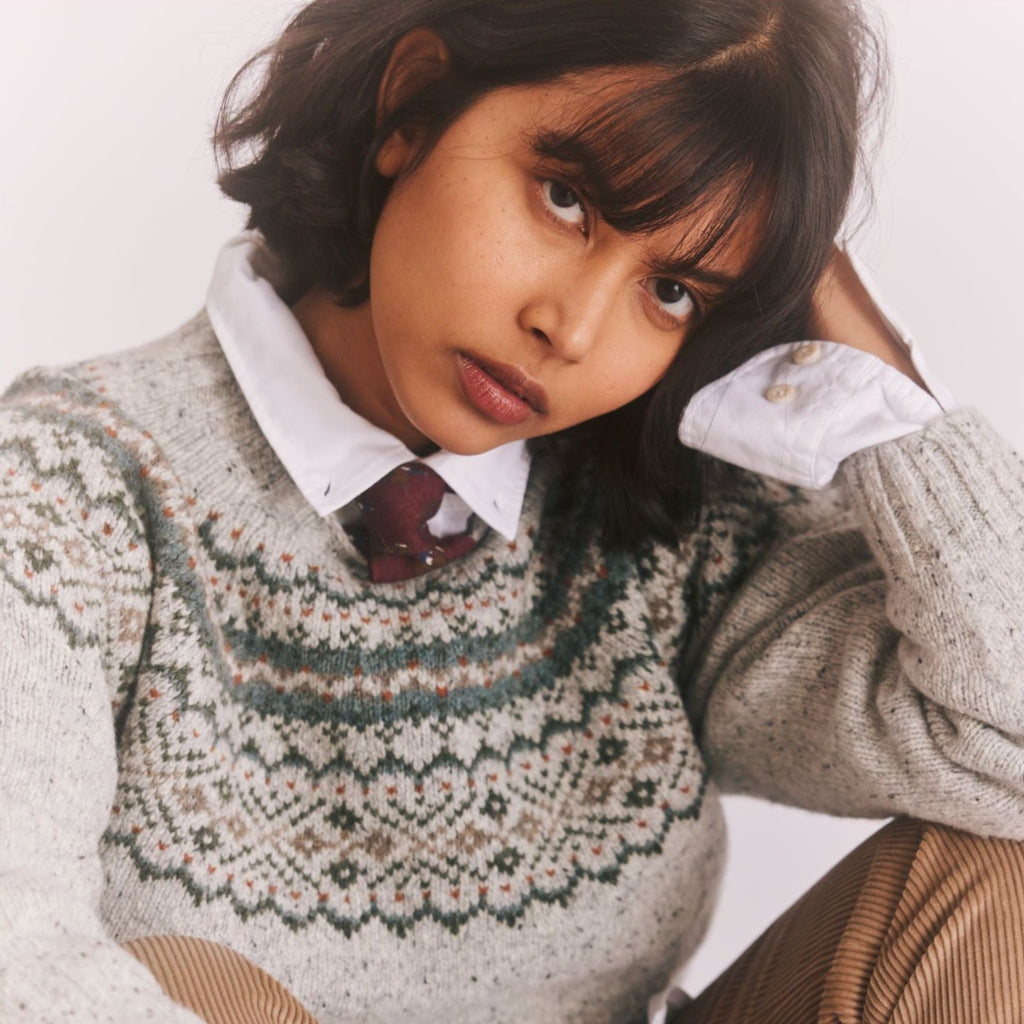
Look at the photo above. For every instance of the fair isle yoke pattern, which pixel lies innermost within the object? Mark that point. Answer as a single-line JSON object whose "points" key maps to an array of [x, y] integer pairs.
{"points": [[299, 742], [474, 796]]}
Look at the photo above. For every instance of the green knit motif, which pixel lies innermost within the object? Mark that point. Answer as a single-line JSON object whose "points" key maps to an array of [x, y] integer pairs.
{"points": [[297, 741]]}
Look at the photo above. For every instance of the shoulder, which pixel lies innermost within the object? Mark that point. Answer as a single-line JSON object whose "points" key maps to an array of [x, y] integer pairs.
{"points": [[746, 502], [169, 365], [166, 396], [159, 373], [126, 423]]}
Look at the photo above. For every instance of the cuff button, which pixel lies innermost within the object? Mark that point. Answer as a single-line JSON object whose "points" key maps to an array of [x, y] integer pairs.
{"points": [[806, 354], [781, 394]]}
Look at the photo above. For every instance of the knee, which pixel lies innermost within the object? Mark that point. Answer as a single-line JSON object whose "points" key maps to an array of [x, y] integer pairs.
{"points": [[984, 877], [954, 950]]}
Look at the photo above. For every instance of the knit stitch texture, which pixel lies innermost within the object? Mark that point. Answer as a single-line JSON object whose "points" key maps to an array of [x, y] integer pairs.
{"points": [[476, 795]]}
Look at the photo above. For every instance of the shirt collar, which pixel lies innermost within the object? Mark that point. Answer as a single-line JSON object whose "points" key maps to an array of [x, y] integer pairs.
{"points": [[331, 452]]}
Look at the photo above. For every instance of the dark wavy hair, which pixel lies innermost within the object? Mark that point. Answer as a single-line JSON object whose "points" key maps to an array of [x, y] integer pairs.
{"points": [[754, 105]]}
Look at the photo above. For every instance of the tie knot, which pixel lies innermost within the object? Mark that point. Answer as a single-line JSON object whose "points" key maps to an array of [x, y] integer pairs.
{"points": [[398, 505], [395, 513]]}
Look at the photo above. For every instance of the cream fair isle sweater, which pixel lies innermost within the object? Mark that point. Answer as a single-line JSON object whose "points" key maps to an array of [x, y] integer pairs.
{"points": [[488, 794]]}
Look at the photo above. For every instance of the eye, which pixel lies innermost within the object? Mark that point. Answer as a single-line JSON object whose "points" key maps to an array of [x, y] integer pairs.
{"points": [[563, 202], [673, 297]]}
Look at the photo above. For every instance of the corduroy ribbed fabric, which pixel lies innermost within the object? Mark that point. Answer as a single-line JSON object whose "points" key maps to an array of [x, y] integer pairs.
{"points": [[215, 982], [921, 924]]}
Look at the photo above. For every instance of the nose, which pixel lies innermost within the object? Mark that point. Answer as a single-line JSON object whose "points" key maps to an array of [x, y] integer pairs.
{"points": [[570, 310]]}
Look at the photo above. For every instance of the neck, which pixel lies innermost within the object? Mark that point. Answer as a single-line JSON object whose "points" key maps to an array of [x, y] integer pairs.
{"points": [[346, 346]]}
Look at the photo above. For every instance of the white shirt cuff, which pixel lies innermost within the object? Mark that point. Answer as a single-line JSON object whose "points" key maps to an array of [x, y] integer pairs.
{"points": [[795, 411]]}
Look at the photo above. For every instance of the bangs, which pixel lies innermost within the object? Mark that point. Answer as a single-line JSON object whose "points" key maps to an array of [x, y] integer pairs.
{"points": [[733, 124], [677, 147]]}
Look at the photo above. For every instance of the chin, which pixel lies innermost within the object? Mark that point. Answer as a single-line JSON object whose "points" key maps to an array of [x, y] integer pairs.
{"points": [[468, 446], [465, 441]]}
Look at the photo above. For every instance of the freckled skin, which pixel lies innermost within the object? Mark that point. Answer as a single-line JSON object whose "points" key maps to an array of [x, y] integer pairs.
{"points": [[475, 253]]}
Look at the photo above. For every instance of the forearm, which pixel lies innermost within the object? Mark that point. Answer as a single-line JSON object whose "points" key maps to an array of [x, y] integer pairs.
{"points": [[844, 311], [58, 765], [872, 665], [74, 590]]}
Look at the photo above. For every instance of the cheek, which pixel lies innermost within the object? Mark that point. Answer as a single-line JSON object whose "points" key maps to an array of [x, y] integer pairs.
{"points": [[631, 372], [442, 251]]}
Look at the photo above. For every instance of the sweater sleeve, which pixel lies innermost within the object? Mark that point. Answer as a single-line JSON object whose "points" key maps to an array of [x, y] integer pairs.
{"points": [[74, 589], [873, 663]]}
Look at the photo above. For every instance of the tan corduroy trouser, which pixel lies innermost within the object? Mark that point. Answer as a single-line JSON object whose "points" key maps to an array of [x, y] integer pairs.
{"points": [[919, 925]]}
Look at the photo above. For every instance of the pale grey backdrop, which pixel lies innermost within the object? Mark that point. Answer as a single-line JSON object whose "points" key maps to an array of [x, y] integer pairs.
{"points": [[109, 224]]}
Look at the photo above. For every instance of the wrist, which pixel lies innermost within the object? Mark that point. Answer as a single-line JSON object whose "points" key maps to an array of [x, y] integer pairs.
{"points": [[844, 311]]}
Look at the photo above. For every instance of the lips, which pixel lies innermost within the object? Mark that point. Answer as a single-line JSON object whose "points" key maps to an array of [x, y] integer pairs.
{"points": [[502, 393]]}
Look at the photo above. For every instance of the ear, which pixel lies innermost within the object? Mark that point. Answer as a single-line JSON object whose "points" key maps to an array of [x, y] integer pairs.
{"points": [[418, 58]]}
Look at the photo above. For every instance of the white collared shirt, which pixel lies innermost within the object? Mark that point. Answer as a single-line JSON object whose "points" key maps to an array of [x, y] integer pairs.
{"points": [[331, 452], [793, 412]]}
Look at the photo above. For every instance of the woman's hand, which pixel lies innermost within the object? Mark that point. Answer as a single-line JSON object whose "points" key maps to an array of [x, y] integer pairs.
{"points": [[843, 311]]}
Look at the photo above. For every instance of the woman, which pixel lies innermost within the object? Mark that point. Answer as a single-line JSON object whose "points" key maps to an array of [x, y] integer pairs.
{"points": [[479, 226]]}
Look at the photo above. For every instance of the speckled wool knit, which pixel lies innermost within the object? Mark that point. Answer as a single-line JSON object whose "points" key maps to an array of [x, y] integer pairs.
{"points": [[476, 795]]}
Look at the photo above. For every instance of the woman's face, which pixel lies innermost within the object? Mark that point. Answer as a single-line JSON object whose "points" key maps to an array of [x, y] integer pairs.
{"points": [[502, 305]]}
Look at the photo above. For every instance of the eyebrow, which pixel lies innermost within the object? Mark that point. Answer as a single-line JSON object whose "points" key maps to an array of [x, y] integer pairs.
{"points": [[721, 282], [588, 170]]}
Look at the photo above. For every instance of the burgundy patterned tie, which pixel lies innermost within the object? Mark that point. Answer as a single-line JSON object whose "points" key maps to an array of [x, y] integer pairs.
{"points": [[395, 513]]}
